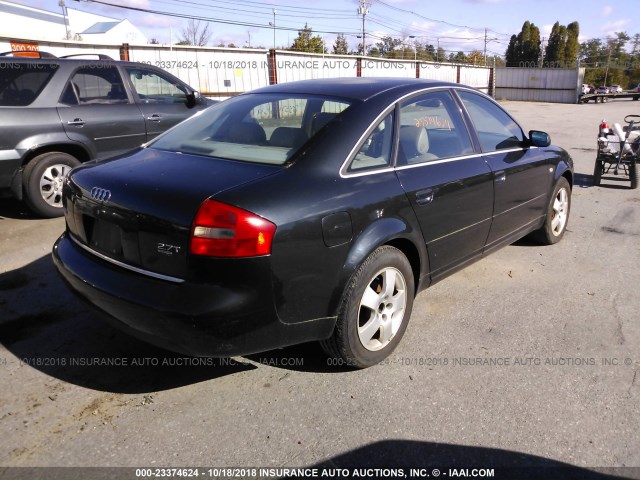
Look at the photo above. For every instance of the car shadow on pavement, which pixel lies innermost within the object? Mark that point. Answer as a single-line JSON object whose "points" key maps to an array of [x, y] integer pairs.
{"points": [[12, 208], [447, 460], [47, 328]]}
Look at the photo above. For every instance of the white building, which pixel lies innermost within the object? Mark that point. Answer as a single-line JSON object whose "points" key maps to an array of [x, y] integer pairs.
{"points": [[22, 22]]}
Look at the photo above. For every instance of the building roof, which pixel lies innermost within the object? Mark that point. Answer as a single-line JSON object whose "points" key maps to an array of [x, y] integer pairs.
{"points": [[100, 27]]}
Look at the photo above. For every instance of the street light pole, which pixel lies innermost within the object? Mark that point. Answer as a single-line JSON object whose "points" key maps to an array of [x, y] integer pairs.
{"points": [[415, 49]]}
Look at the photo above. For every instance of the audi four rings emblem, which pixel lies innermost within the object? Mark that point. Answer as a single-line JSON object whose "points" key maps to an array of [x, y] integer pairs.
{"points": [[100, 194]]}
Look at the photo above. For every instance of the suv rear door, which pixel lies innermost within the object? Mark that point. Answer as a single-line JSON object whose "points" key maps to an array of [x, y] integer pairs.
{"points": [[97, 110]]}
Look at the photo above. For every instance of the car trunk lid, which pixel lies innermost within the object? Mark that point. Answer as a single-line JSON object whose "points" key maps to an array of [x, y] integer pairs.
{"points": [[138, 210]]}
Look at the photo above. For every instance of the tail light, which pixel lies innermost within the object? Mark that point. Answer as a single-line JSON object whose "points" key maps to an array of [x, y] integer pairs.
{"points": [[221, 230]]}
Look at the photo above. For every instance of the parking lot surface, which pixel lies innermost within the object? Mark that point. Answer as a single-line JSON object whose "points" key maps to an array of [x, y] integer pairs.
{"points": [[528, 357]]}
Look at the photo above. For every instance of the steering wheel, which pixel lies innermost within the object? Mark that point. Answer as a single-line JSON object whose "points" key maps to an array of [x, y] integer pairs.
{"points": [[632, 118]]}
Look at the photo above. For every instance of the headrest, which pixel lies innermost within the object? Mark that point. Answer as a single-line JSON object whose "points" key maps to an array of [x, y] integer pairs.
{"points": [[246, 132], [414, 141], [289, 137]]}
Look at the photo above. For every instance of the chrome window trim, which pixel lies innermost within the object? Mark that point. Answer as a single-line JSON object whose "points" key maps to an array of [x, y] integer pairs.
{"points": [[157, 276], [442, 160], [390, 107]]}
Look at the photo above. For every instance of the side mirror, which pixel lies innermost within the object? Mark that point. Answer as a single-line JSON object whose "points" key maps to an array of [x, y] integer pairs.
{"points": [[539, 139], [193, 99]]}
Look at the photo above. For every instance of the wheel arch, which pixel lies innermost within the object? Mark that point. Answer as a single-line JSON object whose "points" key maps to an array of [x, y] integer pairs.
{"points": [[394, 232], [75, 150]]}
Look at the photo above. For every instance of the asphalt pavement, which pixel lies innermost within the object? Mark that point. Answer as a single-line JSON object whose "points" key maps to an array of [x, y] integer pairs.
{"points": [[528, 358]]}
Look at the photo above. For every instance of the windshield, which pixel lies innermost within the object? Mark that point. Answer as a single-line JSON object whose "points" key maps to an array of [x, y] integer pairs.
{"points": [[260, 128]]}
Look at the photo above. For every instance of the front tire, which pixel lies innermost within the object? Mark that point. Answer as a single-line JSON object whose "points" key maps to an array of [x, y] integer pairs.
{"points": [[555, 225], [374, 311], [43, 180], [633, 173]]}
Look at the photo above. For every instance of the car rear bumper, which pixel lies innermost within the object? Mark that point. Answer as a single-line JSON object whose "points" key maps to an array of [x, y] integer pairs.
{"points": [[199, 319]]}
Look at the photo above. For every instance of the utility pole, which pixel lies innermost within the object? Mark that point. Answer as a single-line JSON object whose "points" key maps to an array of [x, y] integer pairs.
{"points": [[363, 10], [606, 73], [485, 47], [66, 22], [273, 24]]}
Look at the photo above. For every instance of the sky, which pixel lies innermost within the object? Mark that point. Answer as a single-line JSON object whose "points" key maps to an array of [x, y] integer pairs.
{"points": [[452, 24]]}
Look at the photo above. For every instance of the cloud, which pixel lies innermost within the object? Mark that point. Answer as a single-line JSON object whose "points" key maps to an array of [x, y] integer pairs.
{"points": [[156, 21], [606, 11], [610, 28]]}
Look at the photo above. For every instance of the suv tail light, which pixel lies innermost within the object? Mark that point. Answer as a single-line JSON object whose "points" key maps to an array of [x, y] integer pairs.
{"points": [[221, 230]]}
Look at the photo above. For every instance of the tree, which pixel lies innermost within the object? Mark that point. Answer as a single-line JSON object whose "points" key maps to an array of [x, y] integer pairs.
{"points": [[572, 47], [389, 47], [456, 57], [305, 42], [554, 53], [524, 48], [476, 57], [196, 33], [340, 47]]}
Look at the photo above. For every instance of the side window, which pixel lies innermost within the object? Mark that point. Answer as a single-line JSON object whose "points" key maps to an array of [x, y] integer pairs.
{"points": [[21, 83], [496, 130], [95, 85], [153, 87], [431, 128], [375, 152]]}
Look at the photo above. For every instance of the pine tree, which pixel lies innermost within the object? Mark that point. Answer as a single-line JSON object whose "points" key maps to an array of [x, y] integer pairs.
{"points": [[305, 42], [340, 47]]}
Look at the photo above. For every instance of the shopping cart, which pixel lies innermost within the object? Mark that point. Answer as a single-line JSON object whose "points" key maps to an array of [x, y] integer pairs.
{"points": [[618, 150]]}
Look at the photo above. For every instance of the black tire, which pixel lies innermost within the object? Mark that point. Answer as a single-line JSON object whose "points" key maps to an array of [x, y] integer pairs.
{"points": [[597, 173], [42, 182], [346, 346], [633, 173], [555, 224]]}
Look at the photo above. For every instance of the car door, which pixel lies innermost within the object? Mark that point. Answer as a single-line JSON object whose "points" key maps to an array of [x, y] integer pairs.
{"points": [[448, 183], [521, 173], [162, 99], [96, 109]]}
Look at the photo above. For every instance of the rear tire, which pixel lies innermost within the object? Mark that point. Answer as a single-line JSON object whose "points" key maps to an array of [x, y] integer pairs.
{"points": [[555, 225], [374, 311], [597, 173], [633, 173], [43, 180]]}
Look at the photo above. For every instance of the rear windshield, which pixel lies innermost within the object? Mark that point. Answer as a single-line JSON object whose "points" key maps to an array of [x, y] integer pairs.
{"points": [[21, 83], [260, 128]]}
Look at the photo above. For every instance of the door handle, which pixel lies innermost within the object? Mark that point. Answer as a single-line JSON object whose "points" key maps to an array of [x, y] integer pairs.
{"points": [[76, 122], [154, 118], [501, 177], [424, 197]]}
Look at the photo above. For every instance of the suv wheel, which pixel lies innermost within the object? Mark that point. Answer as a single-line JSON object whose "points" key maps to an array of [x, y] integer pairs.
{"points": [[43, 180]]}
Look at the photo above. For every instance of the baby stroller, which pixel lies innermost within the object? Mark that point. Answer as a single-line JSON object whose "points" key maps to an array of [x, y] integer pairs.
{"points": [[618, 150]]}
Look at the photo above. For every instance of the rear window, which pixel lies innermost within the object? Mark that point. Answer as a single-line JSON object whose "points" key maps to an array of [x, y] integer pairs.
{"points": [[259, 128], [21, 83]]}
